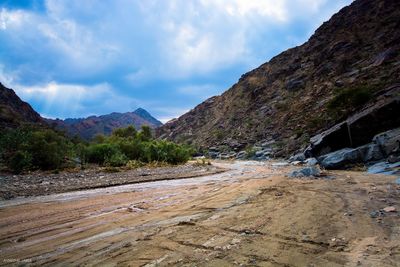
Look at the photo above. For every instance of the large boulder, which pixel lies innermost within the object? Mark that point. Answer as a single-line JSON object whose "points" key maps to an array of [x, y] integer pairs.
{"points": [[340, 158], [389, 141], [372, 152]]}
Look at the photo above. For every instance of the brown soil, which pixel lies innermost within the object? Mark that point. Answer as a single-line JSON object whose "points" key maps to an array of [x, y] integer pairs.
{"points": [[251, 215]]}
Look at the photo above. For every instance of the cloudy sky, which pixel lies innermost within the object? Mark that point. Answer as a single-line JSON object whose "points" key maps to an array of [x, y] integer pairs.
{"points": [[74, 58]]}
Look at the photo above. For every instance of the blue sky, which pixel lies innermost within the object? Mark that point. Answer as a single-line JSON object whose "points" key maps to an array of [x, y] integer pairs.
{"points": [[75, 58]]}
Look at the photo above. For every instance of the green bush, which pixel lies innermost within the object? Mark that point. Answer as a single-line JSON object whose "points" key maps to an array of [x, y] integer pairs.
{"points": [[20, 161], [346, 100], [116, 160], [127, 132], [98, 153], [29, 148]]}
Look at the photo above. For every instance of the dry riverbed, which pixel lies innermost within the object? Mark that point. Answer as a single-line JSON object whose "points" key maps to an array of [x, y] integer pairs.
{"points": [[250, 215], [41, 183]]}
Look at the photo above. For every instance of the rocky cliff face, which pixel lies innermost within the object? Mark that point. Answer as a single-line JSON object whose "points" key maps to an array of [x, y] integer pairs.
{"points": [[89, 127], [14, 111], [348, 62]]}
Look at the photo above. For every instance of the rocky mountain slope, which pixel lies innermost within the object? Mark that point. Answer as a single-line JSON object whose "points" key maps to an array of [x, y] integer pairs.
{"points": [[348, 63], [14, 111], [87, 128]]}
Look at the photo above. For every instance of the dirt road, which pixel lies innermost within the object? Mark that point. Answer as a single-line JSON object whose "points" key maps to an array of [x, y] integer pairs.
{"points": [[251, 215]]}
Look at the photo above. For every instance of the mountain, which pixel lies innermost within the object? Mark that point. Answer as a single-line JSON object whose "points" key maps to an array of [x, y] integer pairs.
{"points": [[87, 128], [346, 64], [15, 112]]}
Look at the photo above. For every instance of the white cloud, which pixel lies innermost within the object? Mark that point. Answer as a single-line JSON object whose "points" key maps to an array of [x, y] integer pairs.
{"points": [[173, 38], [10, 19], [267, 8], [134, 45], [75, 99]]}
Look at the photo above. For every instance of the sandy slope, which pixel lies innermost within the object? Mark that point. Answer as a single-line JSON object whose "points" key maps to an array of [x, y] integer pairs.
{"points": [[251, 215]]}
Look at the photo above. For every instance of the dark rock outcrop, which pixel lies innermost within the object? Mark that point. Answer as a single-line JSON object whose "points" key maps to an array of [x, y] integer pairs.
{"points": [[383, 146], [360, 128]]}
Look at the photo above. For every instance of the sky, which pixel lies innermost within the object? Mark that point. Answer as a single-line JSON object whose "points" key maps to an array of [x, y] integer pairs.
{"points": [[76, 58]]}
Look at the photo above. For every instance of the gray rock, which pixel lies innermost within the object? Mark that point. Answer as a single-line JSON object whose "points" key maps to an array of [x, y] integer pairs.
{"points": [[295, 84], [213, 149], [385, 168], [384, 57], [280, 164], [297, 157], [268, 143], [339, 83], [389, 141], [311, 161], [241, 155], [306, 172], [340, 158], [213, 154], [373, 153], [393, 159], [259, 153]]}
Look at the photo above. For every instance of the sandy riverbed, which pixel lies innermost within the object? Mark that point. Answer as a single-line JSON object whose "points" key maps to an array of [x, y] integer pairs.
{"points": [[250, 215]]}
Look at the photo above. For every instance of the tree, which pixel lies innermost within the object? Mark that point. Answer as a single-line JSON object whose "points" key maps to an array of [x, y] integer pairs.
{"points": [[127, 132], [145, 133]]}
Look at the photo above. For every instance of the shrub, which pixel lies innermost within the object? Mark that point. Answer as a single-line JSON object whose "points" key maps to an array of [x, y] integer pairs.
{"points": [[29, 148], [127, 132], [346, 100], [134, 164], [145, 134], [20, 161], [98, 153], [116, 160]]}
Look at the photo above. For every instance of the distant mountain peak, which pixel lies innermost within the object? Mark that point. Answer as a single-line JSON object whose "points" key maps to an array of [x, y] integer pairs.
{"points": [[146, 115], [89, 127]]}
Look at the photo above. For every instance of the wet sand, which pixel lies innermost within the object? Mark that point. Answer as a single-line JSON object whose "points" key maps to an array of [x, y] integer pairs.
{"points": [[251, 215]]}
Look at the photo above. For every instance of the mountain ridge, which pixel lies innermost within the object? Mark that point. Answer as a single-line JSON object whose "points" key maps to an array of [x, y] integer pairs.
{"points": [[14, 112], [89, 127], [292, 97]]}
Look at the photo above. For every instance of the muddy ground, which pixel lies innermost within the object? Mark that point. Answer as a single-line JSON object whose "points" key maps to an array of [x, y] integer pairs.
{"points": [[42, 183], [251, 215]]}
